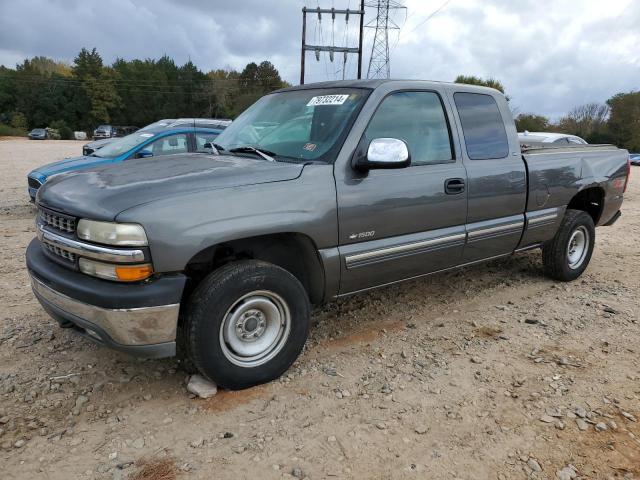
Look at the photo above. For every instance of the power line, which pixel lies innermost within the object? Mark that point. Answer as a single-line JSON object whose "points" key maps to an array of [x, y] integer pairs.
{"points": [[330, 49], [431, 15], [379, 63]]}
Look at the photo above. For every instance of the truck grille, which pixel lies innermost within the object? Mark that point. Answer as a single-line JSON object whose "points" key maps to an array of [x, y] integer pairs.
{"points": [[59, 251], [33, 183], [58, 221]]}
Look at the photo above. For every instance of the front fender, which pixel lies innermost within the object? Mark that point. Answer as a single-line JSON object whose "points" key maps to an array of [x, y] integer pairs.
{"points": [[180, 227]]}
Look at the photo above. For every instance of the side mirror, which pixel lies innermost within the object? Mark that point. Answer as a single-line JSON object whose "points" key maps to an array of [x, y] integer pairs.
{"points": [[384, 153], [144, 154]]}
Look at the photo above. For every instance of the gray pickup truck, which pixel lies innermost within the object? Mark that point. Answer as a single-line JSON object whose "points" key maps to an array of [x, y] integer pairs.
{"points": [[315, 192]]}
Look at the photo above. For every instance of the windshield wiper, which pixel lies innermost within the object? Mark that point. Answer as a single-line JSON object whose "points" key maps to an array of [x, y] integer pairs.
{"points": [[266, 154]]}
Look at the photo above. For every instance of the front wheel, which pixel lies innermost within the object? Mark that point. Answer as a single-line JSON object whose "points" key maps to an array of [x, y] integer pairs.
{"points": [[247, 322], [567, 254]]}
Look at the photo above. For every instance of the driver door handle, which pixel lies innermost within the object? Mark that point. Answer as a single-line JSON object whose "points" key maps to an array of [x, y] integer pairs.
{"points": [[453, 186]]}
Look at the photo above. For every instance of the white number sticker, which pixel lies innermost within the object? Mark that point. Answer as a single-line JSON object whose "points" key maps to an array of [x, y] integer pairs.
{"points": [[327, 100]]}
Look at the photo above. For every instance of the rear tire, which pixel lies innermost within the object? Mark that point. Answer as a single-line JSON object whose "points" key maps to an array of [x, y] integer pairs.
{"points": [[247, 322], [567, 254]]}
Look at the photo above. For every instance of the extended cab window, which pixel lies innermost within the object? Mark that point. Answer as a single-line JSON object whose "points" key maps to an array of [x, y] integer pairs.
{"points": [[417, 118], [482, 126]]}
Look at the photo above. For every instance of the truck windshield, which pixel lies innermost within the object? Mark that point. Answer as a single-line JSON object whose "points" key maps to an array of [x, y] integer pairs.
{"points": [[122, 145], [298, 124]]}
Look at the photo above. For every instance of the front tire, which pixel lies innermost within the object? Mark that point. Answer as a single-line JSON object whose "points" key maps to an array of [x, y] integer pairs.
{"points": [[567, 254], [247, 322]]}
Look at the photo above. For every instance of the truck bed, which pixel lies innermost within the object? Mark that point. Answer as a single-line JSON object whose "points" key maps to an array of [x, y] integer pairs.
{"points": [[557, 174]]}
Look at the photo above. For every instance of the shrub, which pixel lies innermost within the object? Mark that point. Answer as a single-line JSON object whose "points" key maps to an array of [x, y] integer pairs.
{"points": [[19, 121], [8, 131], [65, 132]]}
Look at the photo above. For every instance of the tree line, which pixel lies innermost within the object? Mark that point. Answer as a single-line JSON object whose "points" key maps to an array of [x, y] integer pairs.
{"points": [[617, 121], [41, 92]]}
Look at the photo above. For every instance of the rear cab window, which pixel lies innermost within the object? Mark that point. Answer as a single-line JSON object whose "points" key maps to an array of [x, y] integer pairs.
{"points": [[482, 126]]}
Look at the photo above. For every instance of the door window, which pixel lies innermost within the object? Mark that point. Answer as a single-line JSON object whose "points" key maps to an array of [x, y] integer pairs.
{"points": [[419, 119], [169, 145], [202, 138], [482, 126]]}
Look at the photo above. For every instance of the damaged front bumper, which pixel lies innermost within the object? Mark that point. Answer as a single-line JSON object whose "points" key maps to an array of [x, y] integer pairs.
{"points": [[140, 319]]}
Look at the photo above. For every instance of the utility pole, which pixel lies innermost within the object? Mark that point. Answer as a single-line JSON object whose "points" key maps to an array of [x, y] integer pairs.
{"points": [[331, 49], [379, 65]]}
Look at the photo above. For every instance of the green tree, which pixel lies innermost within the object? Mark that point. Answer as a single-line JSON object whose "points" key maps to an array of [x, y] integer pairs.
{"points": [[19, 121], [624, 120], [473, 80], [65, 131], [254, 82], [129, 92], [588, 121], [87, 64], [223, 85], [102, 95], [531, 122]]}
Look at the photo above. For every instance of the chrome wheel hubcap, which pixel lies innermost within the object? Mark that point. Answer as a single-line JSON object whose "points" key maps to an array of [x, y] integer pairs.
{"points": [[255, 328], [578, 247]]}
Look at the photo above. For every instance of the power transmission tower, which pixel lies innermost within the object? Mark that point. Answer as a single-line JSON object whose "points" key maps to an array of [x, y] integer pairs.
{"points": [[331, 48], [379, 66]]}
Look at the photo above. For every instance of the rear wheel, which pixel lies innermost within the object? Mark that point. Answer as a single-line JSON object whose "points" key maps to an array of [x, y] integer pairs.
{"points": [[247, 323], [567, 254]]}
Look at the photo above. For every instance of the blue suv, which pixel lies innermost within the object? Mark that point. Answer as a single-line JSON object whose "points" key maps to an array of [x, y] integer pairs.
{"points": [[165, 137]]}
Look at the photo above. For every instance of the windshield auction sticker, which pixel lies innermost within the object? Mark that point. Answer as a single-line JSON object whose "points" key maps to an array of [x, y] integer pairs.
{"points": [[327, 100]]}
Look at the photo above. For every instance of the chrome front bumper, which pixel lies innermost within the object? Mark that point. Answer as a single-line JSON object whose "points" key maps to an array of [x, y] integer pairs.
{"points": [[144, 331]]}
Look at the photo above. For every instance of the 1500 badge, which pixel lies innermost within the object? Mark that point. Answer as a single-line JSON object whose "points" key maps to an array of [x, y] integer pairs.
{"points": [[358, 236]]}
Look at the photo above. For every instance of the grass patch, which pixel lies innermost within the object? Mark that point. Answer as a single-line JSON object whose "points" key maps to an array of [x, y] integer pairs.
{"points": [[8, 131], [155, 469]]}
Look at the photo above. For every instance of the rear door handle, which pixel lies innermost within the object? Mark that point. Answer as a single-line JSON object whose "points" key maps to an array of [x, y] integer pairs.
{"points": [[453, 186]]}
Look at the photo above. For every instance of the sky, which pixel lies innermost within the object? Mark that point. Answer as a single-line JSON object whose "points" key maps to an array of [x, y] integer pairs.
{"points": [[551, 55]]}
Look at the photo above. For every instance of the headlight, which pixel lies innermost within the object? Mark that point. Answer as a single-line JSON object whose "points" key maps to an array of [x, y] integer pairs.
{"points": [[119, 273], [109, 233]]}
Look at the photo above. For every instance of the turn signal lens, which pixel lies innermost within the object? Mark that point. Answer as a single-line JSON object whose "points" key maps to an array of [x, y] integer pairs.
{"points": [[134, 272], [118, 273]]}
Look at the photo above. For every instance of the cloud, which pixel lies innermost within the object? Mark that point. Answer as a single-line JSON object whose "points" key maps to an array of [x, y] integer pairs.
{"points": [[550, 55]]}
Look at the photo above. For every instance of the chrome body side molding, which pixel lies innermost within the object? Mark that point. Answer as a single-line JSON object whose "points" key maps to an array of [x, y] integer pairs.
{"points": [[389, 253]]}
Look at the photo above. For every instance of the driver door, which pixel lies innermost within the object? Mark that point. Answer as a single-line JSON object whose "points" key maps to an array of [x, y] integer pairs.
{"points": [[402, 223]]}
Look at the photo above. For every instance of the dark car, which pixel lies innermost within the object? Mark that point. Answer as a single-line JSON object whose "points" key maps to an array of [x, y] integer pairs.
{"points": [[634, 158], [38, 134]]}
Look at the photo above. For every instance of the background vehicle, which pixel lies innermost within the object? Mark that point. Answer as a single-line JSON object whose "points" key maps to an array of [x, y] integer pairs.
{"points": [[38, 134], [103, 131], [634, 158], [160, 138], [319, 191], [212, 123], [548, 139]]}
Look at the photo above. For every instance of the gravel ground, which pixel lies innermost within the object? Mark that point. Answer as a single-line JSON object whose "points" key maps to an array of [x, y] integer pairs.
{"points": [[493, 372]]}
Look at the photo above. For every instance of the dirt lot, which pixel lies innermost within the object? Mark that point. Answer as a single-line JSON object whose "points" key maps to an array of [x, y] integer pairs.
{"points": [[492, 372]]}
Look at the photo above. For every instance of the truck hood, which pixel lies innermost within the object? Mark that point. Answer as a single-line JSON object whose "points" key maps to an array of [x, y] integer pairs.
{"points": [[102, 193], [73, 163]]}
